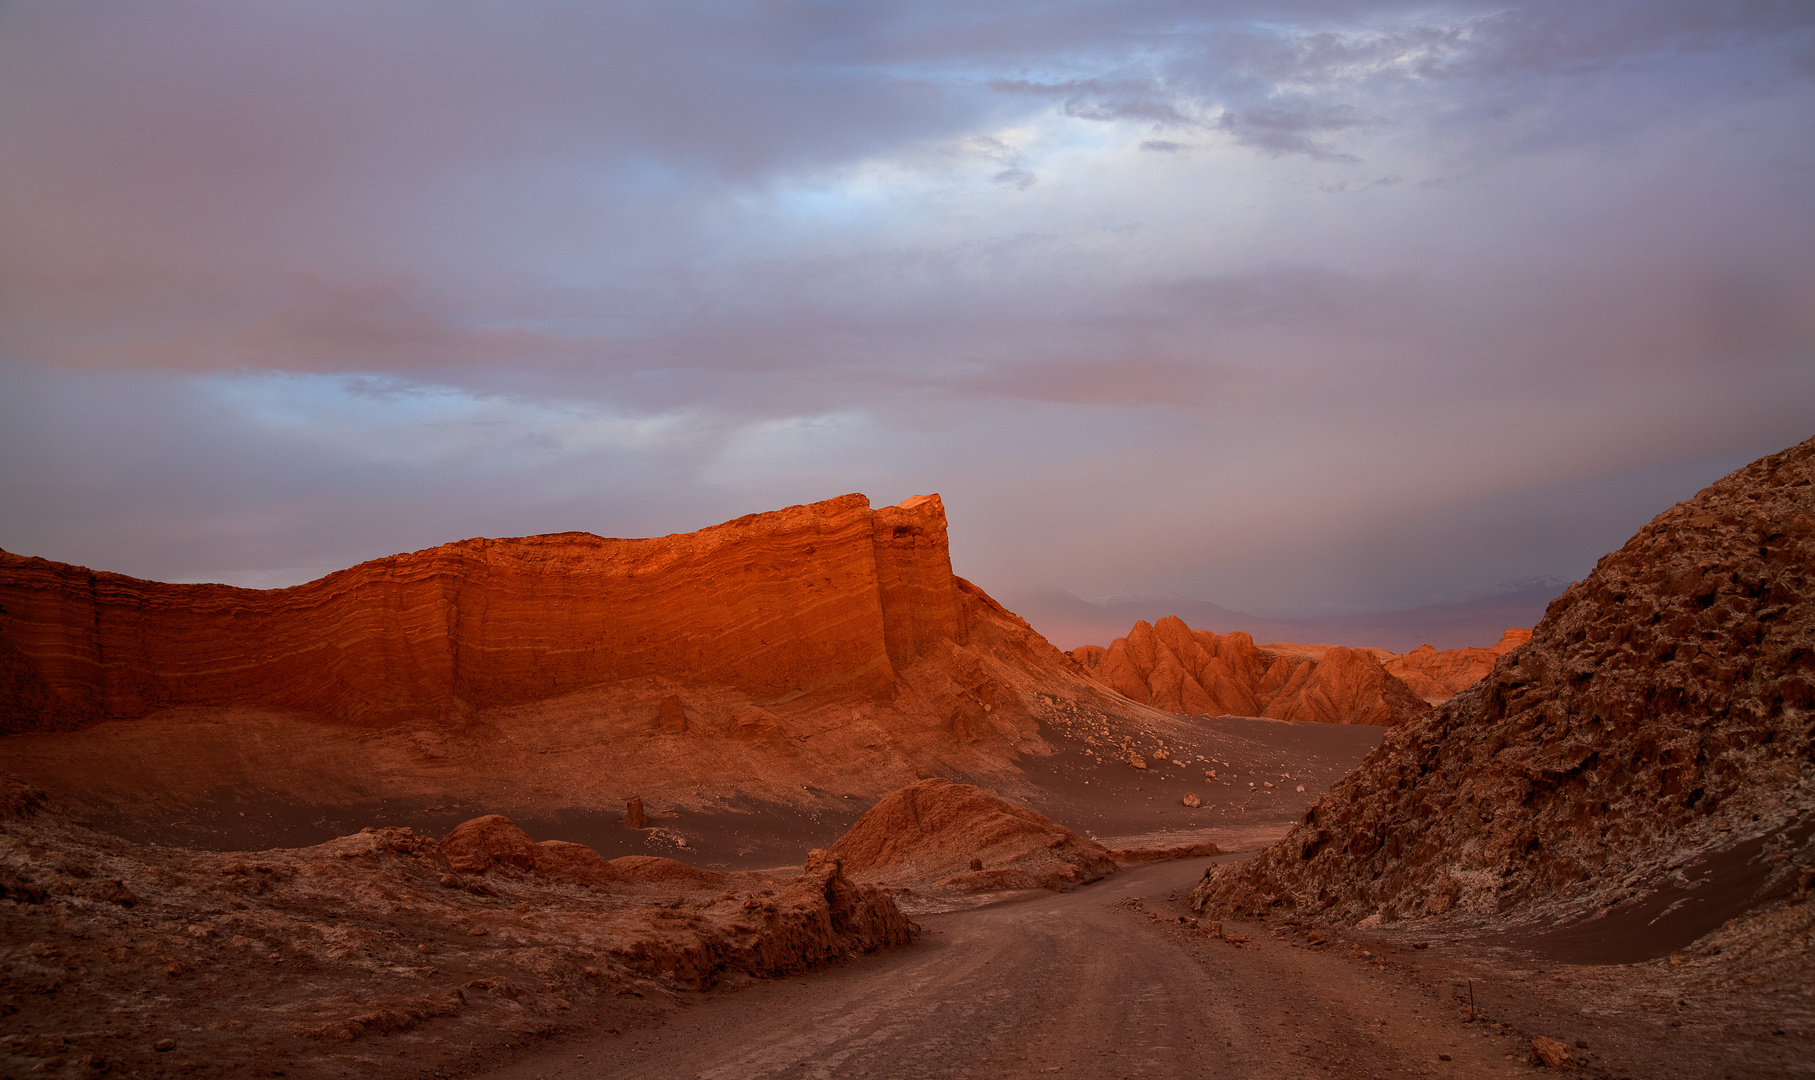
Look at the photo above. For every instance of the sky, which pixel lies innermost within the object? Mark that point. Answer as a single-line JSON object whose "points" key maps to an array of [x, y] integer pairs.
{"points": [[1302, 308]]}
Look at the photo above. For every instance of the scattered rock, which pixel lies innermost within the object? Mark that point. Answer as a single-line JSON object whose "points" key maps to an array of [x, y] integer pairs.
{"points": [[1552, 1053], [1192, 800]]}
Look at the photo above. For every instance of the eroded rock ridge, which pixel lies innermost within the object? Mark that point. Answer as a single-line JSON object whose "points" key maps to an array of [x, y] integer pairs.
{"points": [[1655, 734]]}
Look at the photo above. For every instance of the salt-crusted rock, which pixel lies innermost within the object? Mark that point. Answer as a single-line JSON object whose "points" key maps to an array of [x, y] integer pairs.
{"points": [[1662, 713]]}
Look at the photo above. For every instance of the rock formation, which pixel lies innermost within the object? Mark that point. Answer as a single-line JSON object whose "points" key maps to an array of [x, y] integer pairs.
{"points": [[378, 954], [828, 644], [1437, 676], [1645, 762], [1172, 667], [774, 605], [937, 831]]}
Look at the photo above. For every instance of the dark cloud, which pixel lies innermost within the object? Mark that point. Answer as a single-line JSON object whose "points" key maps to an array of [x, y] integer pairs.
{"points": [[1418, 297]]}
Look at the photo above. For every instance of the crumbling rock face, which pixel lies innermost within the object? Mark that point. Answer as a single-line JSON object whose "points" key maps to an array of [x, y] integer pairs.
{"points": [[937, 831], [1438, 676], [1660, 720], [1172, 667], [304, 956]]}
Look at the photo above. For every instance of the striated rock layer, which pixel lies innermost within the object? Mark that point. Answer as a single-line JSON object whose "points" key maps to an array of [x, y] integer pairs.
{"points": [[1436, 676], [776, 605], [1646, 761], [1172, 667], [828, 644]]}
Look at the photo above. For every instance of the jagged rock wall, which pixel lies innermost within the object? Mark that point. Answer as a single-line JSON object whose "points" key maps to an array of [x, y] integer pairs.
{"points": [[775, 604], [1172, 667], [818, 651], [1661, 713]]}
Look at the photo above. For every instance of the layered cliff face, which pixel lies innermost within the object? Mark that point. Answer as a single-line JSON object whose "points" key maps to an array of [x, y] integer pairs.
{"points": [[1172, 667], [776, 605], [827, 644], [1646, 761]]}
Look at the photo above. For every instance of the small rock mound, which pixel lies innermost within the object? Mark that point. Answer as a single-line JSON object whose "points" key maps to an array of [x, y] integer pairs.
{"points": [[18, 799], [933, 829], [494, 841]]}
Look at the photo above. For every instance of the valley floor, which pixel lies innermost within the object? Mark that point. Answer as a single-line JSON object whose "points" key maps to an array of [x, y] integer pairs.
{"points": [[1108, 982]]}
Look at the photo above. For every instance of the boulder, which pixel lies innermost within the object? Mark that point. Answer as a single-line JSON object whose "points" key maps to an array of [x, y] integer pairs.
{"points": [[932, 830]]}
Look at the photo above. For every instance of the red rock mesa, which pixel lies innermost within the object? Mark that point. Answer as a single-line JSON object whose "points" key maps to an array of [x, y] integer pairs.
{"points": [[827, 644]]}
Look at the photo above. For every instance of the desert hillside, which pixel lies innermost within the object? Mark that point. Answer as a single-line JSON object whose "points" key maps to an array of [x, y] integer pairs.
{"points": [[818, 651], [1644, 763]]}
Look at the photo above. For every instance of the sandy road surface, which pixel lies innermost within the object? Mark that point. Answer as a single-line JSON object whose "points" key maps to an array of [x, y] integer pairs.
{"points": [[1100, 982]]}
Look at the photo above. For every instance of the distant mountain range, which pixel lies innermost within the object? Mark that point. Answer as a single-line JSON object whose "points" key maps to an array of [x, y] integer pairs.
{"points": [[1069, 621]]}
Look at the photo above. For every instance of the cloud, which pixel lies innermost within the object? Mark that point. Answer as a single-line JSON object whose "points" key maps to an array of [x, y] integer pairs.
{"points": [[1419, 297]]}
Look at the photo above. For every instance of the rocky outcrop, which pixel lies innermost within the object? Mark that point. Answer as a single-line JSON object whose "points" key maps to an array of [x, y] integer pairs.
{"points": [[963, 837], [450, 951], [1436, 676], [775, 605], [827, 645], [1646, 761], [1172, 667]]}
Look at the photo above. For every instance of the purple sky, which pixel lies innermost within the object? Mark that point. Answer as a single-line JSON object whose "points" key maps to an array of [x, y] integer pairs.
{"points": [[1297, 307]]}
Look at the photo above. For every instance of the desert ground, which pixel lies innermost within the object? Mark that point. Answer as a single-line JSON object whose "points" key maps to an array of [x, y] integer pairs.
{"points": [[788, 797]]}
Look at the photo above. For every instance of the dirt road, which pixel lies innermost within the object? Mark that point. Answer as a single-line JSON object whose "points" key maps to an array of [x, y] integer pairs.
{"points": [[1101, 982]]}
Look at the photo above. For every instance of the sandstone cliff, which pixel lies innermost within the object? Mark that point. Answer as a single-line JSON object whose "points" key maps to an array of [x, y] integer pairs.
{"points": [[1436, 676], [1172, 667], [1644, 762], [828, 644], [776, 605]]}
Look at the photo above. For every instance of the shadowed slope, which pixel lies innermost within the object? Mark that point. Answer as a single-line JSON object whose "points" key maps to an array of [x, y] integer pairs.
{"points": [[1658, 720]]}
